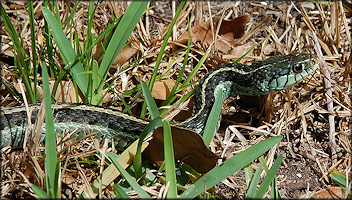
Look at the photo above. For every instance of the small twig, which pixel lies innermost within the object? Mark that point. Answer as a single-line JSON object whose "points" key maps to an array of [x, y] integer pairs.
{"points": [[330, 169], [329, 101], [29, 114], [104, 149]]}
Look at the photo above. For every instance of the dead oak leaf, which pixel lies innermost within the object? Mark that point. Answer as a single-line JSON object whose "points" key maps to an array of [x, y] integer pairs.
{"points": [[331, 193], [229, 31], [188, 146], [162, 88], [125, 55]]}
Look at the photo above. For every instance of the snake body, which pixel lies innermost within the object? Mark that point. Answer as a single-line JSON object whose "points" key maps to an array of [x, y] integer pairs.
{"points": [[263, 77]]}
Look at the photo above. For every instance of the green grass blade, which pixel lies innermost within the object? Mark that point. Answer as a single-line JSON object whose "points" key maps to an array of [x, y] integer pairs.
{"points": [[120, 36], [163, 46], [120, 192], [11, 90], [97, 97], [128, 177], [195, 70], [52, 165], [170, 171], [127, 108], [67, 52], [263, 164], [161, 54], [229, 167], [252, 189], [155, 123], [137, 161], [274, 190], [340, 179], [38, 191], [71, 15], [106, 32], [248, 171], [213, 119], [56, 12], [91, 11], [20, 57], [274, 194], [269, 178], [49, 45], [153, 109], [34, 49], [170, 98]]}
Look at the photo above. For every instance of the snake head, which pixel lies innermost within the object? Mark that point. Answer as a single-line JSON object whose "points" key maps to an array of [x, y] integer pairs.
{"points": [[281, 72]]}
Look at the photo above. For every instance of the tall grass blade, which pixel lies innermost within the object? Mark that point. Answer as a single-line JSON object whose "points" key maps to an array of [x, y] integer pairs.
{"points": [[213, 119], [170, 171], [120, 192], [71, 15], [137, 161], [155, 123], [95, 82], [163, 46], [171, 95], [269, 178], [38, 191], [161, 53], [20, 55], [252, 189], [67, 52], [52, 165], [128, 177], [229, 167], [34, 49], [120, 36], [153, 109], [49, 45]]}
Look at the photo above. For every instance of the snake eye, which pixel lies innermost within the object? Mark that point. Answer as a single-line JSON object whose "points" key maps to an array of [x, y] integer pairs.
{"points": [[297, 68]]}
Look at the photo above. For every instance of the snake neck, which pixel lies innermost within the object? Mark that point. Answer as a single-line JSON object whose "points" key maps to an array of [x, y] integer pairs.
{"points": [[262, 77], [231, 79]]}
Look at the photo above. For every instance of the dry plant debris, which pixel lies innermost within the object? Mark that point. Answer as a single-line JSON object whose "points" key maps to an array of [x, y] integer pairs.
{"points": [[314, 117], [189, 148]]}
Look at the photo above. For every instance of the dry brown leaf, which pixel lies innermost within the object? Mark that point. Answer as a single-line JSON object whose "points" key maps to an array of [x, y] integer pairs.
{"points": [[330, 193], [239, 50], [184, 114], [40, 93], [65, 91], [229, 31], [162, 88], [189, 147], [125, 55]]}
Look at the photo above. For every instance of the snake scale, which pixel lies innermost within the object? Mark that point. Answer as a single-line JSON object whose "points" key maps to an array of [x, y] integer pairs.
{"points": [[262, 77]]}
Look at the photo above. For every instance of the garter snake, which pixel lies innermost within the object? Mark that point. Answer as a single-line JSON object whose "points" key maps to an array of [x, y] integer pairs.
{"points": [[262, 77]]}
